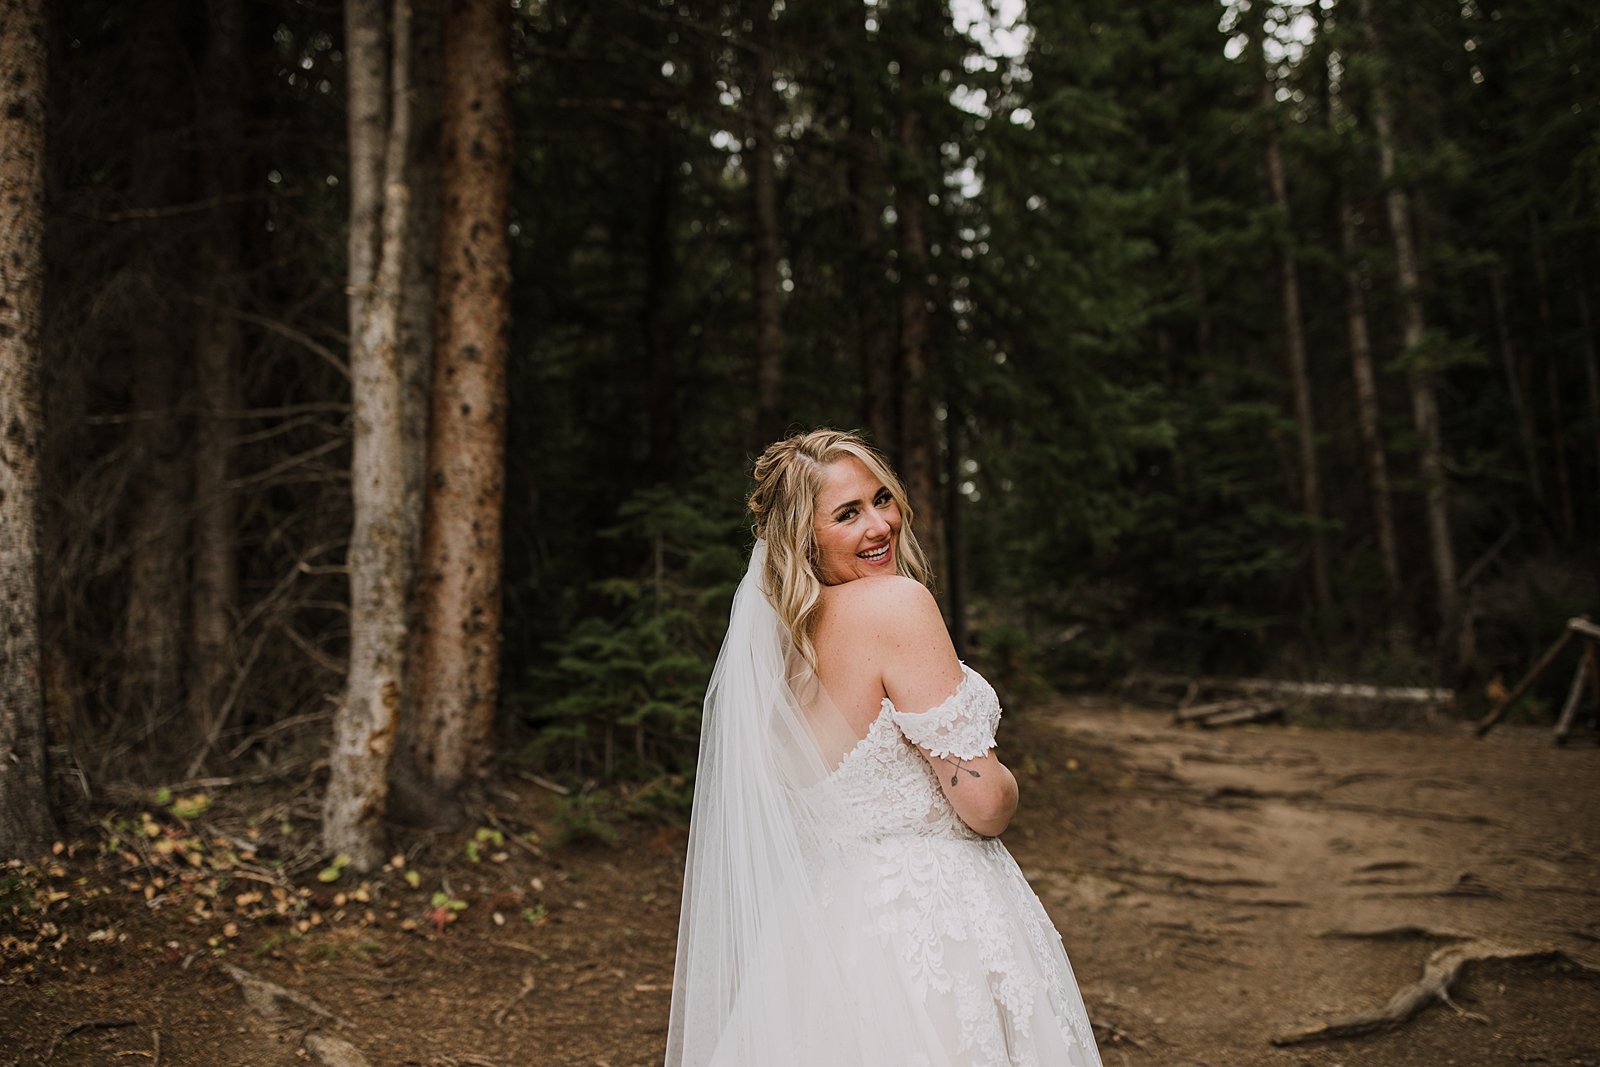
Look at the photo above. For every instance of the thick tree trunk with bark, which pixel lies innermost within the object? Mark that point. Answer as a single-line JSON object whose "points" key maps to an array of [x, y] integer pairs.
{"points": [[26, 825], [458, 661], [764, 243], [383, 540], [215, 591], [1424, 398], [1295, 349]]}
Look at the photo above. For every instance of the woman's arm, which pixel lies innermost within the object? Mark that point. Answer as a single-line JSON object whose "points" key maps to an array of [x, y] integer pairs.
{"points": [[920, 674]]}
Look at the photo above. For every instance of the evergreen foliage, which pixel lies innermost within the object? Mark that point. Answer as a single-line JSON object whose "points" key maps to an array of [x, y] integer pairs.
{"points": [[1106, 384]]}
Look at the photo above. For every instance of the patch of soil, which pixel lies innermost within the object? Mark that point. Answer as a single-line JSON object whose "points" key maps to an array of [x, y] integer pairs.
{"points": [[1194, 876]]}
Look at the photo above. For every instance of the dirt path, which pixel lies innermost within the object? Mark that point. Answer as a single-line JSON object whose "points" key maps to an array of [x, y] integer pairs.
{"points": [[1191, 875], [1196, 887]]}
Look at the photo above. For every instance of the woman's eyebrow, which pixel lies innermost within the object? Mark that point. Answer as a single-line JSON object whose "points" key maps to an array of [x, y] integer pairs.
{"points": [[847, 504]]}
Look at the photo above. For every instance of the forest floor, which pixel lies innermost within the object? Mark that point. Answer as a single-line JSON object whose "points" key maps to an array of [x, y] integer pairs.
{"points": [[1195, 877]]}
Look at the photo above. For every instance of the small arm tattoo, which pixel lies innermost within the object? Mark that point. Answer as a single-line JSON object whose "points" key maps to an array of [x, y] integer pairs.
{"points": [[959, 764]]}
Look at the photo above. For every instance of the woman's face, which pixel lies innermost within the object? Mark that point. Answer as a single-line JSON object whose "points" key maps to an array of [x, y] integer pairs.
{"points": [[857, 523]]}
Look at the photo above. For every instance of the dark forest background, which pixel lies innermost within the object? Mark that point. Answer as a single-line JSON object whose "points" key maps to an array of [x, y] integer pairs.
{"points": [[1211, 338]]}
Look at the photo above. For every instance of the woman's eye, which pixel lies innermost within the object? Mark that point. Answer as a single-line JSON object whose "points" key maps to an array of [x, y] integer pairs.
{"points": [[885, 498], [847, 514]]}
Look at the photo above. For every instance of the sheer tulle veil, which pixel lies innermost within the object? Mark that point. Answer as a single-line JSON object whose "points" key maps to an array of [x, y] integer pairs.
{"points": [[774, 965]]}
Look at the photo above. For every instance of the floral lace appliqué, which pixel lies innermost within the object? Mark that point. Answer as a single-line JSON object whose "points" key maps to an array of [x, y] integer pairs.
{"points": [[962, 726]]}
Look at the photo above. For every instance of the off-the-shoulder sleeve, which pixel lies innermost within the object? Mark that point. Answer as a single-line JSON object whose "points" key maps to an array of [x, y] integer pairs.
{"points": [[962, 726]]}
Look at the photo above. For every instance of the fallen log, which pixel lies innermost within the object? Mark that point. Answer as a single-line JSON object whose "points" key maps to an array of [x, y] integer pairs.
{"points": [[1439, 974], [1241, 716], [1202, 711], [1384, 694]]}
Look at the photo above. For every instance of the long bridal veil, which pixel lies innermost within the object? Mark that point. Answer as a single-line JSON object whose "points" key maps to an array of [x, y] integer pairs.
{"points": [[777, 963]]}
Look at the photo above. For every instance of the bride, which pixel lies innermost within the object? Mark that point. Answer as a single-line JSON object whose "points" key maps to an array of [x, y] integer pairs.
{"points": [[846, 901]]}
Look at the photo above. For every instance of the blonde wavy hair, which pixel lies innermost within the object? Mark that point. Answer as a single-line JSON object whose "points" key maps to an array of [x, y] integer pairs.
{"points": [[788, 478]]}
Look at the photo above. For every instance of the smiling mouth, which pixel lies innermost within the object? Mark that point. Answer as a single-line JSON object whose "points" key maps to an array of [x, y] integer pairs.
{"points": [[877, 555]]}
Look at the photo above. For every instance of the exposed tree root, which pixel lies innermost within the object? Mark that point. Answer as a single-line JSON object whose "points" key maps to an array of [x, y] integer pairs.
{"points": [[1441, 971], [1406, 932], [269, 1001]]}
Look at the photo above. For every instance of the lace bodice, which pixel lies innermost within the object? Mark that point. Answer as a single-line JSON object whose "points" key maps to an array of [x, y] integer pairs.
{"points": [[975, 943], [886, 782]]}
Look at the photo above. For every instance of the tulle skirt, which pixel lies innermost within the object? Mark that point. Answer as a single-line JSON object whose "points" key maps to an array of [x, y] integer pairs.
{"points": [[923, 951]]}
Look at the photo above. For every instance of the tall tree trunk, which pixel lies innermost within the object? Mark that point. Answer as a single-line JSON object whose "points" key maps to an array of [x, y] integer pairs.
{"points": [[1516, 385], [1424, 399], [764, 228], [1368, 411], [1552, 381], [458, 665], [150, 679], [917, 446], [875, 350], [1591, 371], [954, 528], [26, 826], [382, 556], [1295, 349], [656, 317], [215, 590]]}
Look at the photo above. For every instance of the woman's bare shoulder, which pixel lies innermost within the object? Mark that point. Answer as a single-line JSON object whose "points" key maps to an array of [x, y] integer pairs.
{"points": [[868, 604]]}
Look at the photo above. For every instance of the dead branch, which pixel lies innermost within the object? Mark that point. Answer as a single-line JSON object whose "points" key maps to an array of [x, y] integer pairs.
{"points": [[78, 1028], [1109, 1033], [544, 783], [1580, 624], [1439, 974], [1586, 672], [527, 987]]}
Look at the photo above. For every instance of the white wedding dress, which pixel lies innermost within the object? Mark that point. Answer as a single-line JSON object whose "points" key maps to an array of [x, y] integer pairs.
{"points": [[949, 906], [836, 910]]}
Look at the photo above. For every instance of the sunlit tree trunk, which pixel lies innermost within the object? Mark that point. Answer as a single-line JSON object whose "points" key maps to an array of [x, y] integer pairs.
{"points": [[458, 661], [1424, 398], [764, 255], [382, 556], [26, 825], [215, 587]]}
